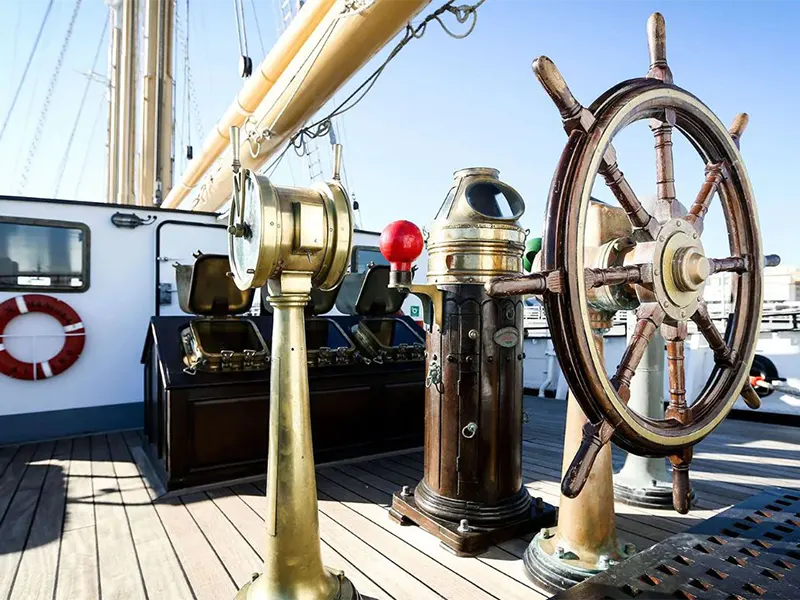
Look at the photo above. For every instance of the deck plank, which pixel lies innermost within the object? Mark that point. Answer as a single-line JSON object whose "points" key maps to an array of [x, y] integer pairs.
{"points": [[398, 582], [108, 509], [120, 573], [496, 556], [239, 559], [256, 501], [250, 524], [78, 575], [12, 477], [36, 577], [7, 454], [206, 574], [16, 526], [161, 570], [441, 580], [372, 502]]}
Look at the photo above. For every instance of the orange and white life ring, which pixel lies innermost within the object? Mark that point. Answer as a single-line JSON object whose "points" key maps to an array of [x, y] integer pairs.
{"points": [[64, 314]]}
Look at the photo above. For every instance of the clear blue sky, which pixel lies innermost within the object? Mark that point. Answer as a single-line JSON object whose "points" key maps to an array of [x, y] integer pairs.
{"points": [[445, 104]]}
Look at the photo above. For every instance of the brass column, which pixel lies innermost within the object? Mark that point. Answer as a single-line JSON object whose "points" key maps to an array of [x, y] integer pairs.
{"points": [[292, 557], [290, 239], [585, 541]]}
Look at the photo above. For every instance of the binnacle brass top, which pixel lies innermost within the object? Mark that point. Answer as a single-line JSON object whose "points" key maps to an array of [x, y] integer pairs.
{"points": [[476, 233]]}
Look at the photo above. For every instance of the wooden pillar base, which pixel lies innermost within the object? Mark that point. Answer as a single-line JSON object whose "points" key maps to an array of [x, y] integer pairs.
{"points": [[470, 540]]}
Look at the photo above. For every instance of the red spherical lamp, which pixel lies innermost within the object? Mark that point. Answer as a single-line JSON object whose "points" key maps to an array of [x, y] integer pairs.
{"points": [[401, 244]]}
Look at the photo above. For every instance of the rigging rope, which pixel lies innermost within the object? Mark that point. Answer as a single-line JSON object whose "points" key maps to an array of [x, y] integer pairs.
{"points": [[48, 97], [191, 107], [187, 78], [26, 69], [65, 158], [241, 34], [321, 127], [89, 147], [258, 27]]}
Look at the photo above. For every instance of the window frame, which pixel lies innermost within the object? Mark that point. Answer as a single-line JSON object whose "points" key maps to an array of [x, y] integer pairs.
{"points": [[354, 255], [85, 255]]}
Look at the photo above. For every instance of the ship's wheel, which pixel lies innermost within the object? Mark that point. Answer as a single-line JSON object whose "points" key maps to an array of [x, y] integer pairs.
{"points": [[660, 270]]}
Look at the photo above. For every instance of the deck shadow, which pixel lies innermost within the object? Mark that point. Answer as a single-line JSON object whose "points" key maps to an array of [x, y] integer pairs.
{"points": [[31, 513]]}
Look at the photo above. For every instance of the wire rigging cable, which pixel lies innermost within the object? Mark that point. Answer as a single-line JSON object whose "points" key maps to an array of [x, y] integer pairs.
{"points": [[48, 97], [258, 27], [89, 146], [26, 69], [65, 158]]}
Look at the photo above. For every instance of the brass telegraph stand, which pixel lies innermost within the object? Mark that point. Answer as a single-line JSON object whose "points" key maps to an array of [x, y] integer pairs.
{"points": [[290, 239]]}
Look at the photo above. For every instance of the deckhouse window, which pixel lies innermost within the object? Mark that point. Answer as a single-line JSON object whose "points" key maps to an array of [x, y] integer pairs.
{"points": [[38, 254], [364, 256]]}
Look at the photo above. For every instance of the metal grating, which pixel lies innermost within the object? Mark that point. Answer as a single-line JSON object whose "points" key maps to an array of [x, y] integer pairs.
{"points": [[751, 551]]}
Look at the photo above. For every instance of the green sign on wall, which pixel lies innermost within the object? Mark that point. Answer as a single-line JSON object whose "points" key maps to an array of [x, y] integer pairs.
{"points": [[415, 311]]}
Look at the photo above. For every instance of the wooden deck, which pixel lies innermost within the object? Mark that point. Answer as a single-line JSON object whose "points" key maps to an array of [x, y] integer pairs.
{"points": [[80, 520]]}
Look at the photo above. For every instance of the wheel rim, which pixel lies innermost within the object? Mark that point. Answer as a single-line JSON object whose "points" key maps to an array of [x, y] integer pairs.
{"points": [[564, 250]]}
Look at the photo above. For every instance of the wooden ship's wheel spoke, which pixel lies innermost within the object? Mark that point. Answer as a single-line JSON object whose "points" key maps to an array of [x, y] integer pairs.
{"points": [[650, 317], [674, 335], [698, 210]]}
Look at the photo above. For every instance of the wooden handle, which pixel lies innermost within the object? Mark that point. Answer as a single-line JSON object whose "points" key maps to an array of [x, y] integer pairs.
{"points": [[556, 87], [594, 438], [772, 260], [740, 122], [681, 488], [657, 40], [751, 397]]}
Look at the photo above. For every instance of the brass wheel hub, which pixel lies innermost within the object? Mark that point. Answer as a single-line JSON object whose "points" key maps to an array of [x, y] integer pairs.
{"points": [[680, 269]]}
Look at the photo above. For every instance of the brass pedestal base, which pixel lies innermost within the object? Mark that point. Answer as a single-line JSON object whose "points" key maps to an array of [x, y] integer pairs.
{"points": [[556, 569], [473, 539], [343, 589]]}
